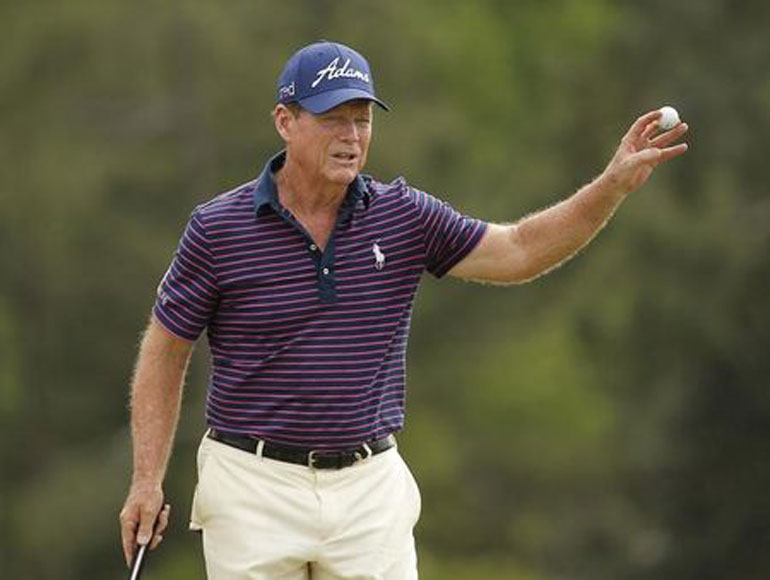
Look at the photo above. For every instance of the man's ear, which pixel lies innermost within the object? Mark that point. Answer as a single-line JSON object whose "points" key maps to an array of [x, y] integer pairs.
{"points": [[283, 118]]}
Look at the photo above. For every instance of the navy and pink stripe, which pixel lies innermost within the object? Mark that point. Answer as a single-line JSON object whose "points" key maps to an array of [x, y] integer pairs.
{"points": [[308, 347]]}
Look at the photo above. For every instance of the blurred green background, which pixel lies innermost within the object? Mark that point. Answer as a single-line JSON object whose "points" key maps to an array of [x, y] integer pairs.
{"points": [[611, 420]]}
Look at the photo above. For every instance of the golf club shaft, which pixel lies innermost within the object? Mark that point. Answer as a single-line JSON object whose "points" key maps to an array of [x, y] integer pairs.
{"points": [[136, 567]]}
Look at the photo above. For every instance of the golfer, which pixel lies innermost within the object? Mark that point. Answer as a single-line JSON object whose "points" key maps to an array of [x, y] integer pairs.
{"points": [[304, 279]]}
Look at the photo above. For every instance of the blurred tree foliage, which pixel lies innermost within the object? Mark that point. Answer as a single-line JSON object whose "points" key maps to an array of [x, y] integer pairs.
{"points": [[611, 420]]}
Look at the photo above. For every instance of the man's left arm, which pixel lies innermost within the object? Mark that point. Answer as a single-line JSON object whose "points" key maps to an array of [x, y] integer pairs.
{"points": [[519, 252]]}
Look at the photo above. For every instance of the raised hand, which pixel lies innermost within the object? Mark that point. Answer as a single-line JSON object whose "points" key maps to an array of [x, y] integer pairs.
{"points": [[641, 150]]}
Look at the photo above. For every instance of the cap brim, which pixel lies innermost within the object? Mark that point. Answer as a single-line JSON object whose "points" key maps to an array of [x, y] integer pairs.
{"points": [[326, 101]]}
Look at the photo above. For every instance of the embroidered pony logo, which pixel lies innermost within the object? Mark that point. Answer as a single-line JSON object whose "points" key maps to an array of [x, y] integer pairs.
{"points": [[379, 257]]}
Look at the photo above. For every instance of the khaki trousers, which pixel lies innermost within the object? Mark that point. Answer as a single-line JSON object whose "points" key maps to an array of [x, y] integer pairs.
{"points": [[265, 519]]}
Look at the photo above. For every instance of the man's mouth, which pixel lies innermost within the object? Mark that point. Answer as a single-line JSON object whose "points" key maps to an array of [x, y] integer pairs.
{"points": [[346, 157]]}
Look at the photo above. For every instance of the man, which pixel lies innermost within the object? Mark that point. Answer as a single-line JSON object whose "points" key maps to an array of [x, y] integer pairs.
{"points": [[304, 280]]}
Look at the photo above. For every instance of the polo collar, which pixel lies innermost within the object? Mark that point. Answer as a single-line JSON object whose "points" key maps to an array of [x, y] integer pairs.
{"points": [[266, 192]]}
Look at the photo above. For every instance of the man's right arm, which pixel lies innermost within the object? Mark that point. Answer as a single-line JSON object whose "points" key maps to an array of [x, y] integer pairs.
{"points": [[519, 252], [155, 400]]}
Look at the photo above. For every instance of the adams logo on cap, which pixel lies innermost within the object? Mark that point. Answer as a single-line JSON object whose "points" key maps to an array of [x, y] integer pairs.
{"points": [[345, 71], [324, 75]]}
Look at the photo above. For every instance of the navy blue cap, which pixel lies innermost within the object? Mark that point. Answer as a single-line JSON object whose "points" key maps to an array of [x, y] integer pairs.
{"points": [[326, 74]]}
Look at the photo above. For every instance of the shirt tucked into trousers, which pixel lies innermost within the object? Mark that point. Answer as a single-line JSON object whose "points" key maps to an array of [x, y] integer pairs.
{"points": [[308, 349]]}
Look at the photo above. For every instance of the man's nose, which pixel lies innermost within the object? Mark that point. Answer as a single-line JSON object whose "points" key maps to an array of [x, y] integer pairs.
{"points": [[349, 130]]}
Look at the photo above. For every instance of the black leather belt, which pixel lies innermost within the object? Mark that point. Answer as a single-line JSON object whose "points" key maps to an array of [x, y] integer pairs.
{"points": [[311, 458]]}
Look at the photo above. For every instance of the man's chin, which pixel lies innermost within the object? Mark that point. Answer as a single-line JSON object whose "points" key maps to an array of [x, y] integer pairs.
{"points": [[342, 177]]}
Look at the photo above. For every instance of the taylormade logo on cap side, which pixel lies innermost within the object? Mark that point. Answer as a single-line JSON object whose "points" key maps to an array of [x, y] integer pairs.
{"points": [[332, 72], [287, 91]]}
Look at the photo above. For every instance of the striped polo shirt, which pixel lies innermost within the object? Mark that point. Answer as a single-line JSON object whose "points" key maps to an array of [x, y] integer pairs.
{"points": [[308, 345]]}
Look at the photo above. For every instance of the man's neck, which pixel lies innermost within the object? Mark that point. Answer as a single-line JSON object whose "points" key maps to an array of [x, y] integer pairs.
{"points": [[313, 201], [307, 195]]}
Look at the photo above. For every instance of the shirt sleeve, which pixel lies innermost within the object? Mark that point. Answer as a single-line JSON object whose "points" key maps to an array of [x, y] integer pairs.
{"points": [[448, 236], [188, 294]]}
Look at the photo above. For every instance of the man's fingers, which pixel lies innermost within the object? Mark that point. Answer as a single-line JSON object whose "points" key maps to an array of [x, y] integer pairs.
{"points": [[649, 130], [163, 518], [655, 155], [129, 547], [138, 518], [146, 526], [671, 152], [128, 550], [637, 129], [160, 526], [129, 521], [665, 139]]}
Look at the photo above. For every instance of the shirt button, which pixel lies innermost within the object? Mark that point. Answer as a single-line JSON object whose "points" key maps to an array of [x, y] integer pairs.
{"points": [[313, 247], [326, 271]]}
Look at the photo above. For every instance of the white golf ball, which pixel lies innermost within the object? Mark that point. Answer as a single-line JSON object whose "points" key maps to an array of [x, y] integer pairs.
{"points": [[669, 118]]}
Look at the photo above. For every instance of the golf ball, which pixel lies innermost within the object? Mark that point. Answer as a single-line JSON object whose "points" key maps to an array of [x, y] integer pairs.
{"points": [[669, 118]]}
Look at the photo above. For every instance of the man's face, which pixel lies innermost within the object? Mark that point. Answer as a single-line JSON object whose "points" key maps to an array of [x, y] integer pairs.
{"points": [[331, 146]]}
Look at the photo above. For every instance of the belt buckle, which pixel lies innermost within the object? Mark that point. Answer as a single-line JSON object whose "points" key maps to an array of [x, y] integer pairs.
{"points": [[367, 450], [315, 456], [312, 457]]}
